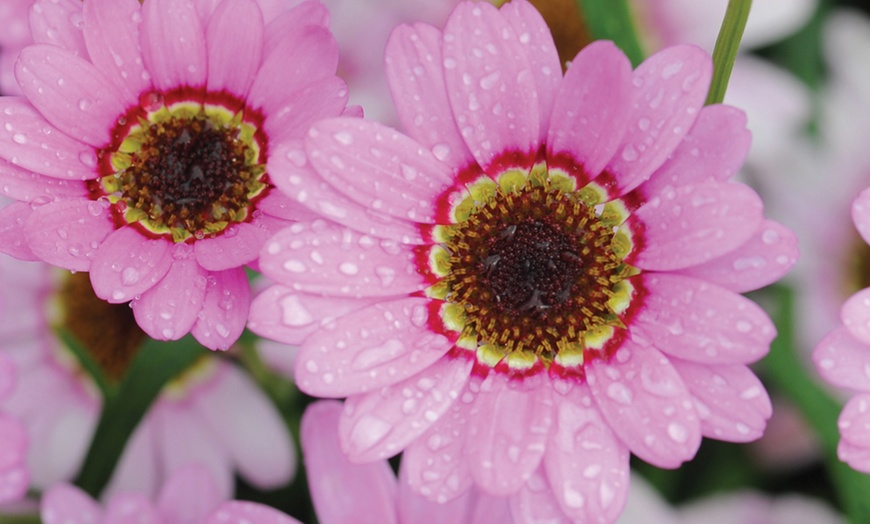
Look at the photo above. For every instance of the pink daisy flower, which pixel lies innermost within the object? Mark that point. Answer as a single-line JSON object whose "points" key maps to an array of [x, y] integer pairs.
{"points": [[14, 476], [843, 358], [143, 150], [213, 413], [541, 278], [187, 497]]}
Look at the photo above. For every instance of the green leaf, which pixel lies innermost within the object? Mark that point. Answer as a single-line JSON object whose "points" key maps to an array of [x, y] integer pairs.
{"points": [[612, 20], [156, 364], [788, 373], [725, 51]]}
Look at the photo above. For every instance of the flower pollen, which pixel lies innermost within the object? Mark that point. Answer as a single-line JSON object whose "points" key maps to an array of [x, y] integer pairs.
{"points": [[184, 170], [530, 276]]}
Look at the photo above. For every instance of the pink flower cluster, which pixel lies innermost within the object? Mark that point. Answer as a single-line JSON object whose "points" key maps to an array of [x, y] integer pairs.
{"points": [[538, 277]]}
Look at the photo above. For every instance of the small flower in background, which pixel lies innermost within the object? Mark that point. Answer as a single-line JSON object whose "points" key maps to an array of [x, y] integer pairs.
{"points": [[348, 493], [14, 476], [187, 497], [545, 267], [843, 359], [740, 507], [143, 150], [214, 413]]}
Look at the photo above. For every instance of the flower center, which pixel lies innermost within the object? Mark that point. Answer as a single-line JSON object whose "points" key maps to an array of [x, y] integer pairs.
{"points": [[108, 332], [529, 274], [531, 266], [184, 170]]}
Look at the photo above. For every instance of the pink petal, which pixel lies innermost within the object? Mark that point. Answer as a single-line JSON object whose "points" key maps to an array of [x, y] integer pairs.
{"points": [[307, 54], [13, 436], [281, 207], [473, 506], [309, 12], [369, 349], [36, 145], [760, 261], [646, 404], [184, 440], [332, 260], [8, 377], [234, 45], [367, 490], [843, 360], [173, 44], [700, 322], [58, 23], [434, 465], [59, 436], [70, 93], [65, 503], [237, 246], [282, 314], [68, 233], [241, 512], [693, 224], [857, 457], [14, 483], [319, 99], [507, 433], [290, 172], [592, 106], [378, 167], [224, 309], [168, 310], [586, 464], [378, 425], [854, 422], [541, 53], [855, 314], [536, 503], [670, 87], [23, 185], [714, 149], [490, 83], [416, 77], [13, 240], [111, 32], [188, 496], [138, 469], [243, 419], [861, 214], [132, 508], [128, 264], [729, 399]]}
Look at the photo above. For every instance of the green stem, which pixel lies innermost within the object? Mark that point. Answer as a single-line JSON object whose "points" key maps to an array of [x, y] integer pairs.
{"points": [[785, 370], [612, 20], [727, 44], [155, 365]]}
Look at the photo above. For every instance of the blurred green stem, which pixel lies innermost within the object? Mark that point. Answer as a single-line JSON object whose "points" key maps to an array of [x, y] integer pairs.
{"points": [[727, 44]]}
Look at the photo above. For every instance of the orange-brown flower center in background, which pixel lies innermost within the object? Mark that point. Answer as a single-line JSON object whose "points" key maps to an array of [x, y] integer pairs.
{"points": [[108, 332], [566, 24]]}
